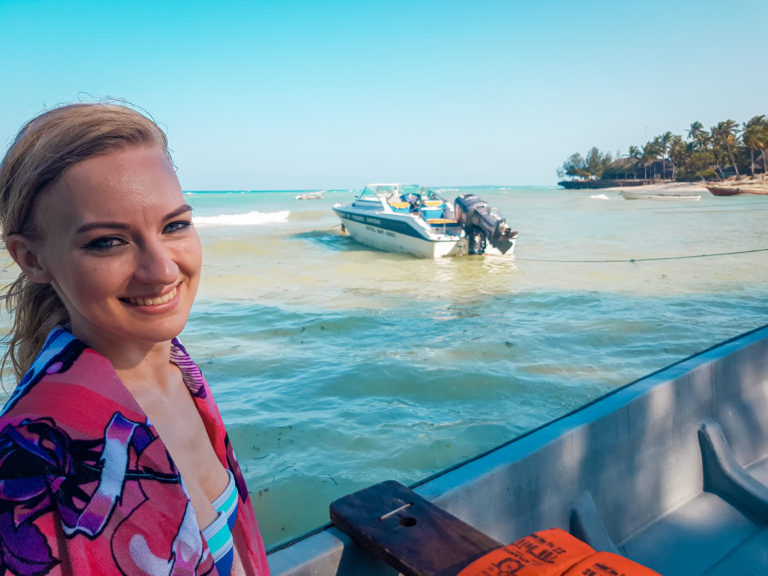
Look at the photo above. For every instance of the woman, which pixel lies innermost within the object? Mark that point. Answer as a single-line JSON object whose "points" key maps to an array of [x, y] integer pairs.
{"points": [[113, 455]]}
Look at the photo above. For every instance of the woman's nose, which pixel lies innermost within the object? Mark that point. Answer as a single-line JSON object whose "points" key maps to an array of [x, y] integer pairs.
{"points": [[156, 264]]}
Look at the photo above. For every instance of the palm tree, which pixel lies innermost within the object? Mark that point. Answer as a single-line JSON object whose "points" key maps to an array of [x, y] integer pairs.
{"points": [[634, 155], [678, 154], [755, 137], [698, 136], [650, 152], [664, 140], [724, 139]]}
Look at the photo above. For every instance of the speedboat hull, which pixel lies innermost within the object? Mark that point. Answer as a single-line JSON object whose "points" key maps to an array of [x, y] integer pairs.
{"points": [[395, 233]]}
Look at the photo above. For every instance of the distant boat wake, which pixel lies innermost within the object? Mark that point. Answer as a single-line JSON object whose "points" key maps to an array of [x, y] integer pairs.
{"points": [[254, 218]]}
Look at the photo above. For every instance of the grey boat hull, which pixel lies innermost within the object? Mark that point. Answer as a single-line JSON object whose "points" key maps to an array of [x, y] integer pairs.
{"points": [[670, 471]]}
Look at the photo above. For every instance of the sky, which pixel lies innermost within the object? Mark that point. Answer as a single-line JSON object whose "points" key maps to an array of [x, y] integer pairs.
{"points": [[299, 94]]}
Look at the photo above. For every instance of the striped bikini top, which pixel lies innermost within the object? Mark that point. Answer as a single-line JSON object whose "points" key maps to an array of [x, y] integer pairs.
{"points": [[218, 534]]}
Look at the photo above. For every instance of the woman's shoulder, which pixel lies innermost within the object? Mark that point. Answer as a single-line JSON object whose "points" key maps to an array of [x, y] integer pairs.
{"points": [[72, 386], [60, 351]]}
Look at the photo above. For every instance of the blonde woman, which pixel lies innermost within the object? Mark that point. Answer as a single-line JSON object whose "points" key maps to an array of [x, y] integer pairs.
{"points": [[113, 455]]}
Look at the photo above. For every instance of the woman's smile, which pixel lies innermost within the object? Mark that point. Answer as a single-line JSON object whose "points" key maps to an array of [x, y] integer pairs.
{"points": [[152, 301]]}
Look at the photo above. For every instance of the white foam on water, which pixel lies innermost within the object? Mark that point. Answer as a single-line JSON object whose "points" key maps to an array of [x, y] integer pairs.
{"points": [[254, 218]]}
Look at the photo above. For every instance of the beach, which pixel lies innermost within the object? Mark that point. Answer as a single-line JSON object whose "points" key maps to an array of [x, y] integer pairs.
{"points": [[742, 185], [336, 367]]}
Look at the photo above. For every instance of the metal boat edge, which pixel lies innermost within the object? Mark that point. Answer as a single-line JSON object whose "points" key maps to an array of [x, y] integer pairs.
{"points": [[669, 470]]}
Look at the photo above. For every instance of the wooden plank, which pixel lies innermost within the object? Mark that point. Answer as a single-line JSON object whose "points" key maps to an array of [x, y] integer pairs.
{"points": [[408, 532]]}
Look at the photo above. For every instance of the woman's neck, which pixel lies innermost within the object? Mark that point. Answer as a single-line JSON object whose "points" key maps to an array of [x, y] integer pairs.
{"points": [[141, 366]]}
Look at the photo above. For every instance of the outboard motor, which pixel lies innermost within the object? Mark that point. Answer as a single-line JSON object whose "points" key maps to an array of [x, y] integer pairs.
{"points": [[482, 224]]}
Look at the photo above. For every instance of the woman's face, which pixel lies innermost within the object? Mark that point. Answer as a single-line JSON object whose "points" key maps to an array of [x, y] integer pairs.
{"points": [[119, 248]]}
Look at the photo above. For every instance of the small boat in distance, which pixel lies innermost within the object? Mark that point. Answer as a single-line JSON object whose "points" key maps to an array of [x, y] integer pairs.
{"points": [[416, 220], [658, 195], [311, 195]]}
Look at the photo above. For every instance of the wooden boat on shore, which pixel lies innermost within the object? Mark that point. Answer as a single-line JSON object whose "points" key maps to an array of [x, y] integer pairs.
{"points": [[659, 195], [670, 471], [723, 190], [760, 188]]}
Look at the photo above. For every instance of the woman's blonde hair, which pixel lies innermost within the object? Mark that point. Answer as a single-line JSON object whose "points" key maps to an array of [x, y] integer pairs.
{"points": [[43, 149]]}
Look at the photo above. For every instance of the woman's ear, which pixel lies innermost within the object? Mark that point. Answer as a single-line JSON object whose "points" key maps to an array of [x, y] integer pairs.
{"points": [[27, 255]]}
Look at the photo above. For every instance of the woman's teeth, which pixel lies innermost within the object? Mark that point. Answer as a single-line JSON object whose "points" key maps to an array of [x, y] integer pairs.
{"points": [[154, 301]]}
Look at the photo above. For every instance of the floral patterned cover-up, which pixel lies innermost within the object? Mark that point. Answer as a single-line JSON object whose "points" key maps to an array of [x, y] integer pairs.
{"points": [[88, 487]]}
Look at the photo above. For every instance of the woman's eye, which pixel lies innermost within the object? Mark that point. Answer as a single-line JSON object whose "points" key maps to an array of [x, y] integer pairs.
{"points": [[104, 243], [176, 226]]}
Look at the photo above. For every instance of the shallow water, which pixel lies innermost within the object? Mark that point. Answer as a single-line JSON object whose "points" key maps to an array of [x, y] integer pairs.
{"points": [[336, 366]]}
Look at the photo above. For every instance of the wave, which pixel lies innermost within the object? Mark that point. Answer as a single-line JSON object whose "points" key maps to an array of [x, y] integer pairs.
{"points": [[254, 218]]}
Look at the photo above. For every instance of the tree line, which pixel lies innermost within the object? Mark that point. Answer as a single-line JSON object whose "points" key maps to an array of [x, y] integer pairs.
{"points": [[726, 149]]}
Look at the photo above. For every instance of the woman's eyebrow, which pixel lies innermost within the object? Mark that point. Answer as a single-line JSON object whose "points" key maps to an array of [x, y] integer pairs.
{"points": [[87, 227], [95, 225], [183, 209]]}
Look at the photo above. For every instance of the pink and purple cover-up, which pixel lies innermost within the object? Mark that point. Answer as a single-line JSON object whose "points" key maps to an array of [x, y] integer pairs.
{"points": [[86, 484]]}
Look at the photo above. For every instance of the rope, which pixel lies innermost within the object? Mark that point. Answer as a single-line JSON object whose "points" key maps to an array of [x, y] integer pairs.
{"points": [[633, 260]]}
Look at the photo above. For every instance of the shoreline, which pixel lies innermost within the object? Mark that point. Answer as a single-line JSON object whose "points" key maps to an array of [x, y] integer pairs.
{"points": [[737, 185]]}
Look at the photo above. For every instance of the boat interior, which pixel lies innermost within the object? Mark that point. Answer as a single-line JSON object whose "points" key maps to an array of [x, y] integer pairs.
{"points": [[435, 210], [670, 471]]}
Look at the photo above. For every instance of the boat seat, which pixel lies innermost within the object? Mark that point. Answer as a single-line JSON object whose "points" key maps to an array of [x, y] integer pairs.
{"points": [[724, 476], [430, 213], [587, 525], [398, 206]]}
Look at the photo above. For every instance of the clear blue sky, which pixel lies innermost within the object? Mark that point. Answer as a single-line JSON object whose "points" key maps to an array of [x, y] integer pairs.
{"points": [[290, 94]]}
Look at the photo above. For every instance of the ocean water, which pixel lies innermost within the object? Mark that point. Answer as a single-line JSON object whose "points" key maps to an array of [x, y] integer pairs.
{"points": [[336, 366]]}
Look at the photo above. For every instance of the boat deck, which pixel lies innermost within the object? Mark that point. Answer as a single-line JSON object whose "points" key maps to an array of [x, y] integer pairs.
{"points": [[708, 536]]}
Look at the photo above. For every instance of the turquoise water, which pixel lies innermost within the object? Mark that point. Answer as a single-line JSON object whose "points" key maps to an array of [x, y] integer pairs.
{"points": [[336, 366]]}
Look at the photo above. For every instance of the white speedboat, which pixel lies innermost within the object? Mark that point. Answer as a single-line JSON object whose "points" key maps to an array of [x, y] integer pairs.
{"points": [[418, 221]]}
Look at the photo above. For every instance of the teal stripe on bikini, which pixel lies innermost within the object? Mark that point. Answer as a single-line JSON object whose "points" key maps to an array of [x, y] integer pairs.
{"points": [[229, 504], [219, 541]]}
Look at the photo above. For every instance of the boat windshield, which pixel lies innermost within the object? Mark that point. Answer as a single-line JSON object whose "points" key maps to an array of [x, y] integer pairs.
{"points": [[392, 192]]}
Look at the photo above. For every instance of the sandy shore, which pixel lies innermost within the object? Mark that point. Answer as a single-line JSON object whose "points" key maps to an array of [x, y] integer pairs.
{"points": [[741, 185]]}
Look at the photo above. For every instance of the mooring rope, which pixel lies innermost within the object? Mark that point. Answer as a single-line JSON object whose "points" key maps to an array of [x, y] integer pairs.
{"points": [[633, 260]]}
